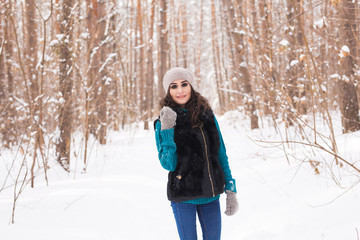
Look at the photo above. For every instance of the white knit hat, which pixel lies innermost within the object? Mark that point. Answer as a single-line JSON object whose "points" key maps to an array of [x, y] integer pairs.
{"points": [[176, 74]]}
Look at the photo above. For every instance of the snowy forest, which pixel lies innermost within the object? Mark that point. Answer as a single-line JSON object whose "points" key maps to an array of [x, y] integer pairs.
{"points": [[74, 72]]}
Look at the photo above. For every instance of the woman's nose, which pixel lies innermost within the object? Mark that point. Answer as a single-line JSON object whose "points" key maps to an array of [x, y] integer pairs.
{"points": [[180, 89]]}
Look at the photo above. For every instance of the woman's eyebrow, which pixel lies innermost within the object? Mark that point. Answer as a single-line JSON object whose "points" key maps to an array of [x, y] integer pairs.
{"points": [[176, 83]]}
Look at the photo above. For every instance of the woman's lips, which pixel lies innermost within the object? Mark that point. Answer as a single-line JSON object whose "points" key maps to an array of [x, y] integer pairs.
{"points": [[181, 97]]}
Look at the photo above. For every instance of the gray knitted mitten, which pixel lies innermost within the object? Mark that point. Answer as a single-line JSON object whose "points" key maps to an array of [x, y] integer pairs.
{"points": [[167, 118], [231, 203]]}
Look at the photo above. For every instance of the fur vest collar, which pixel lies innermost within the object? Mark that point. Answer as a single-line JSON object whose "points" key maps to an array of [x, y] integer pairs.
{"points": [[198, 173]]}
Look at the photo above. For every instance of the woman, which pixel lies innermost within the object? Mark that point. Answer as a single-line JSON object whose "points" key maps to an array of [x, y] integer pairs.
{"points": [[191, 147]]}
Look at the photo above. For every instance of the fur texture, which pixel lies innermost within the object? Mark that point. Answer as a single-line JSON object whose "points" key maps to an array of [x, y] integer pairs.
{"points": [[198, 173]]}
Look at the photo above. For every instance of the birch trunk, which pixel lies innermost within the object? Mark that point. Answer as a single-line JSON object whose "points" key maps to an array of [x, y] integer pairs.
{"points": [[65, 85], [349, 104]]}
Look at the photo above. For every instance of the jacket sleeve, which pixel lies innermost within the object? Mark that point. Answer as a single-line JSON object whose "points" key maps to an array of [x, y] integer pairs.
{"points": [[166, 147], [223, 159]]}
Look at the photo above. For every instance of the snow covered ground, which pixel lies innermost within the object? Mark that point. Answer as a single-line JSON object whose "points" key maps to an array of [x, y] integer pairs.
{"points": [[123, 194]]}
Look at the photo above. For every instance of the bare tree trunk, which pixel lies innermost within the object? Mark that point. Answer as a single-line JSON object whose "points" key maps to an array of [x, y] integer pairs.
{"points": [[127, 67], [349, 100], [31, 61], [184, 33], [79, 79], [150, 65], [226, 48], [8, 44], [141, 64], [65, 85], [133, 83], [174, 34], [240, 68], [2, 79], [198, 50], [89, 95], [216, 57], [11, 131], [94, 62], [291, 70], [31, 51], [39, 131], [230, 69], [295, 68], [163, 46], [303, 84], [101, 101], [267, 59], [114, 87]]}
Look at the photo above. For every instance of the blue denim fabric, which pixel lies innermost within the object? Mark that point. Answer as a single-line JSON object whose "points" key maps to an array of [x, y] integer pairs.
{"points": [[209, 216]]}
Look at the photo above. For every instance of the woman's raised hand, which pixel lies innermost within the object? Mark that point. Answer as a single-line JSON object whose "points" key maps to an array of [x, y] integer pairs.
{"points": [[167, 118]]}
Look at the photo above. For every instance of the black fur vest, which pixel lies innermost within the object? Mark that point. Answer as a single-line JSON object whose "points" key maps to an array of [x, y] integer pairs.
{"points": [[198, 173]]}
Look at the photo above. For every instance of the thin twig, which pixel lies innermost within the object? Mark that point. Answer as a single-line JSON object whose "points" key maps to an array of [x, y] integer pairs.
{"points": [[337, 197], [314, 145]]}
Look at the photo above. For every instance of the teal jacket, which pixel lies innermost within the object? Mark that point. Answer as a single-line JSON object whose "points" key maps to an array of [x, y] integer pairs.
{"points": [[168, 158]]}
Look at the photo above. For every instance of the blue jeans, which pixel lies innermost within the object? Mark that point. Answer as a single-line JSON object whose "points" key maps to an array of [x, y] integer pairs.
{"points": [[209, 217]]}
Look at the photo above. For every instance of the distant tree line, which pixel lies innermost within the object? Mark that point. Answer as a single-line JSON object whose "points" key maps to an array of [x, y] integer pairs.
{"points": [[92, 65]]}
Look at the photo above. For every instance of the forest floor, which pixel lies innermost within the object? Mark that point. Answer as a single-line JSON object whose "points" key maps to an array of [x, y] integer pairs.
{"points": [[123, 193]]}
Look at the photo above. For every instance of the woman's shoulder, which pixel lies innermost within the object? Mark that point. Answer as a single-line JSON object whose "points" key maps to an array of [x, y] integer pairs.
{"points": [[209, 114]]}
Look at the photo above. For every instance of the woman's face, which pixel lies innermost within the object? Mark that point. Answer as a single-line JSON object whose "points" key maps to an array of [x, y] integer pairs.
{"points": [[180, 92]]}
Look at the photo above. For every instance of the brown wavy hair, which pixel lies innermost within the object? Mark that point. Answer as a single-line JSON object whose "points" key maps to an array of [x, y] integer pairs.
{"points": [[196, 105]]}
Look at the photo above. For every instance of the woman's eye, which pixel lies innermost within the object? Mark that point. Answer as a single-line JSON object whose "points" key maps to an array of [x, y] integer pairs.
{"points": [[174, 86], [184, 84]]}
